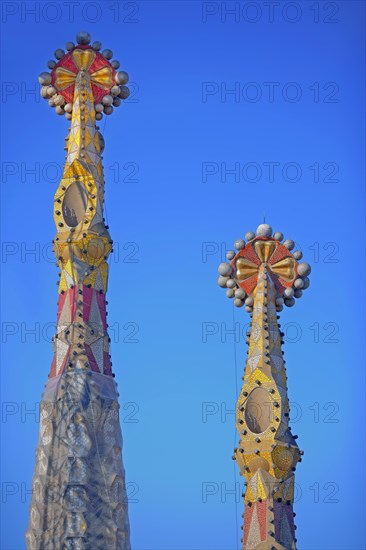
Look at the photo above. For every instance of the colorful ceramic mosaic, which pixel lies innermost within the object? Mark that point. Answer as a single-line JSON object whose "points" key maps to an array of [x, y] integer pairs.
{"points": [[79, 456], [264, 275]]}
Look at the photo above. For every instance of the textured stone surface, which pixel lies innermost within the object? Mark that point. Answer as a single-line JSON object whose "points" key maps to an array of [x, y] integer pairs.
{"points": [[79, 495]]}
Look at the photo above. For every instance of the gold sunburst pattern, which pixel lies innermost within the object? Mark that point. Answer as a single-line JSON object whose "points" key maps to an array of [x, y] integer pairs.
{"points": [[281, 264]]}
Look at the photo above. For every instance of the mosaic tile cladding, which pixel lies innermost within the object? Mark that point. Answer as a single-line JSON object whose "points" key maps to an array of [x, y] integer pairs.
{"points": [[263, 275], [79, 493]]}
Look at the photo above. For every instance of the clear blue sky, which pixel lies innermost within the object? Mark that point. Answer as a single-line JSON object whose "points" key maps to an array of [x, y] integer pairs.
{"points": [[293, 131]]}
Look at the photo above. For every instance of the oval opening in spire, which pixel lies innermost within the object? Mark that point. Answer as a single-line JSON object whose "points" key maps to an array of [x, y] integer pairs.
{"points": [[74, 203], [258, 410]]}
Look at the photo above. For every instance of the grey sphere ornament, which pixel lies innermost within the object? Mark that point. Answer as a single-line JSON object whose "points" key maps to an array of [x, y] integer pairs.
{"points": [[239, 293], [45, 79], [289, 244], [238, 303], [297, 254], [249, 236], [279, 301], [249, 301], [221, 281], [279, 308], [68, 116], [68, 107], [83, 38], [51, 64], [264, 230], [124, 92], [298, 293], [122, 77], [304, 269], [289, 302], [299, 283], [69, 46], [115, 90], [107, 100], [239, 244], [98, 107], [289, 292], [108, 109], [230, 254], [248, 309], [59, 53], [117, 101], [98, 116], [59, 100], [51, 91], [108, 54], [230, 293], [44, 92], [59, 110], [115, 64], [225, 269], [231, 283], [306, 283], [97, 45], [278, 236]]}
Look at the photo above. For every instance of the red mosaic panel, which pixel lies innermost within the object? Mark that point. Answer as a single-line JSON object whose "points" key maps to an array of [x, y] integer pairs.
{"points": [[249, 284], [87, 299], [67, 62], [280, 253], [248, 514], [92, 362], [262, 518]]}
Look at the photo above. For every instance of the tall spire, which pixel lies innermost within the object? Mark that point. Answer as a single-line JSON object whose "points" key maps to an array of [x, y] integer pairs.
{"points": [[264, 275], [79, 494]]}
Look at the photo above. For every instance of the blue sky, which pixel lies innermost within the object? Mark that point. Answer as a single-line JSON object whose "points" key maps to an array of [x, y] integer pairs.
{"points": [[232, 115]]}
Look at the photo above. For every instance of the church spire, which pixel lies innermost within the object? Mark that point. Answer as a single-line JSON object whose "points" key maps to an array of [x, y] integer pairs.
{"points": [[79, 494], [263, 276]]}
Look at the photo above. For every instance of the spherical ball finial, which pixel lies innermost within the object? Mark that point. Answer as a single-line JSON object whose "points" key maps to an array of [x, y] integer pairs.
{"points": [[264, 230], [59, 53], [289, 292], [239, 244], [107, 100], [239, 293], [225, 269], [230, 254], [304, 269], [289, 244], [44, 79], [124, 92], [83, 38], [278, 236], [107, 53], [122, 77]]}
